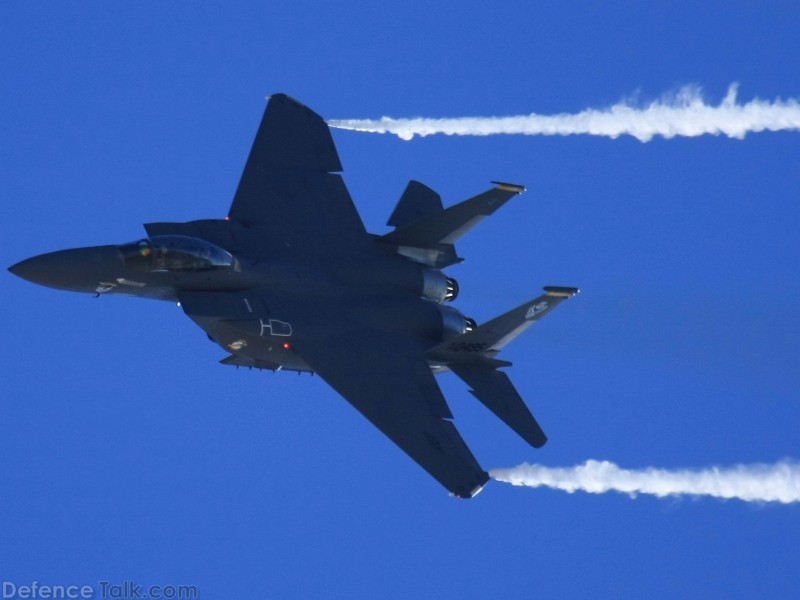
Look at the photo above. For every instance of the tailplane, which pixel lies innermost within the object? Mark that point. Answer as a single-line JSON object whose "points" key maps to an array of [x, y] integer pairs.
{"points": [[418, 201], [495, 390], [471, 356]]}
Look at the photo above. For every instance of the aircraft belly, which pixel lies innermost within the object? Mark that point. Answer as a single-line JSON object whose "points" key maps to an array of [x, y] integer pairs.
{"points": [[254, 350]]}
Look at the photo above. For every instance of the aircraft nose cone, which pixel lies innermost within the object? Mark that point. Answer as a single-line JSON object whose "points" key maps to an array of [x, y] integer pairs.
{"points": [[21, 269], [80, 269], [34, 269]]}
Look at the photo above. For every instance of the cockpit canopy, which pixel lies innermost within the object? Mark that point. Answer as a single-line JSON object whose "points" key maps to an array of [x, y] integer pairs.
{"points": [[176, 253]]}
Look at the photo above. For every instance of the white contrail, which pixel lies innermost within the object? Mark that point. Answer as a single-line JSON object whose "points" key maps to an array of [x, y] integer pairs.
{"points": [[752, 483], [684, 114]]}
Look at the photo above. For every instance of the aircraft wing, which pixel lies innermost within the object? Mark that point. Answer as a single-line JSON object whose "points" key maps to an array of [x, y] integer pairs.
{"points": [[289, 191], [386, 377]]}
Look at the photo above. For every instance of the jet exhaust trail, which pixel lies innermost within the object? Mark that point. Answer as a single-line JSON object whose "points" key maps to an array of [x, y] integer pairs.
{"points": [[779, 482], [685, 114]]}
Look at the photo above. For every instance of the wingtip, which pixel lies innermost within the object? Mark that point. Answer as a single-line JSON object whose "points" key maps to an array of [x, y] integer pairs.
{"points": [[472, 493]]}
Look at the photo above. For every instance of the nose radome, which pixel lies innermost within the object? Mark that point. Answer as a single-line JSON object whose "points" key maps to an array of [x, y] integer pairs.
{"points": [[79, 269], [21, 269], [33, 269]]}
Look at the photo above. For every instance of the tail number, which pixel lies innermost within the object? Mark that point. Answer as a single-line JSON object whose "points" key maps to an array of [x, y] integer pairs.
{"points": [[536, 309]]}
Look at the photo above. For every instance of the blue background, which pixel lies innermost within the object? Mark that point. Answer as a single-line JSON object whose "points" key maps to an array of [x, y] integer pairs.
{"points": [[127, 452]]}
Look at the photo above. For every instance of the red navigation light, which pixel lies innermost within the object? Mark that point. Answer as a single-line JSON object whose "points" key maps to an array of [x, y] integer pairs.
{"points": [[286, 345]]}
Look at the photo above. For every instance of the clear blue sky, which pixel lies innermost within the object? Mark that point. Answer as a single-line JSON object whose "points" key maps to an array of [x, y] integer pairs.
{"points": [[128, 453]]}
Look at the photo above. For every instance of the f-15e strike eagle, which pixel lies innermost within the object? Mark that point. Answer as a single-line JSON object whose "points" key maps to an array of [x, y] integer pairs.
{"points": [[292, 274]]}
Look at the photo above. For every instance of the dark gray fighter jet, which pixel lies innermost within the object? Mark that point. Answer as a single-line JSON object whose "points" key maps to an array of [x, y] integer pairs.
{"points": [[292, 281]]}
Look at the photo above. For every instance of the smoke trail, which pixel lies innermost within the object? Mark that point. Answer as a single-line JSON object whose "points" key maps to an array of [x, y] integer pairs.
{"points": [[752, 483], [685, 114]]}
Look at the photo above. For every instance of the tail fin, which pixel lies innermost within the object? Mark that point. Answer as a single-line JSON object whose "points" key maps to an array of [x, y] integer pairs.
{"points": [[471, 357], [430, 238], [491, 337]]}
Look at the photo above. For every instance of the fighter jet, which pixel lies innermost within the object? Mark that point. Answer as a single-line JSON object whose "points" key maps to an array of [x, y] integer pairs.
{"points": [[292, 281]]}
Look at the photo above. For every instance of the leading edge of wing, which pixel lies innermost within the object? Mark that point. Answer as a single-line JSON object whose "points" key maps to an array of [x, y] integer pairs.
{"points": [[386, 377]]}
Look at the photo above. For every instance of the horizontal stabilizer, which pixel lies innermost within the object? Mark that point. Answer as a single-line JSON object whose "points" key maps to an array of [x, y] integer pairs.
{"points": [[417, 201], [495, 390], [430, 238]]}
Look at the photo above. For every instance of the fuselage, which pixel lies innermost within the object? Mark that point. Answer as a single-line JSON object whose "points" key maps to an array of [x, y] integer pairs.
{"points": [[379, 287]]}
